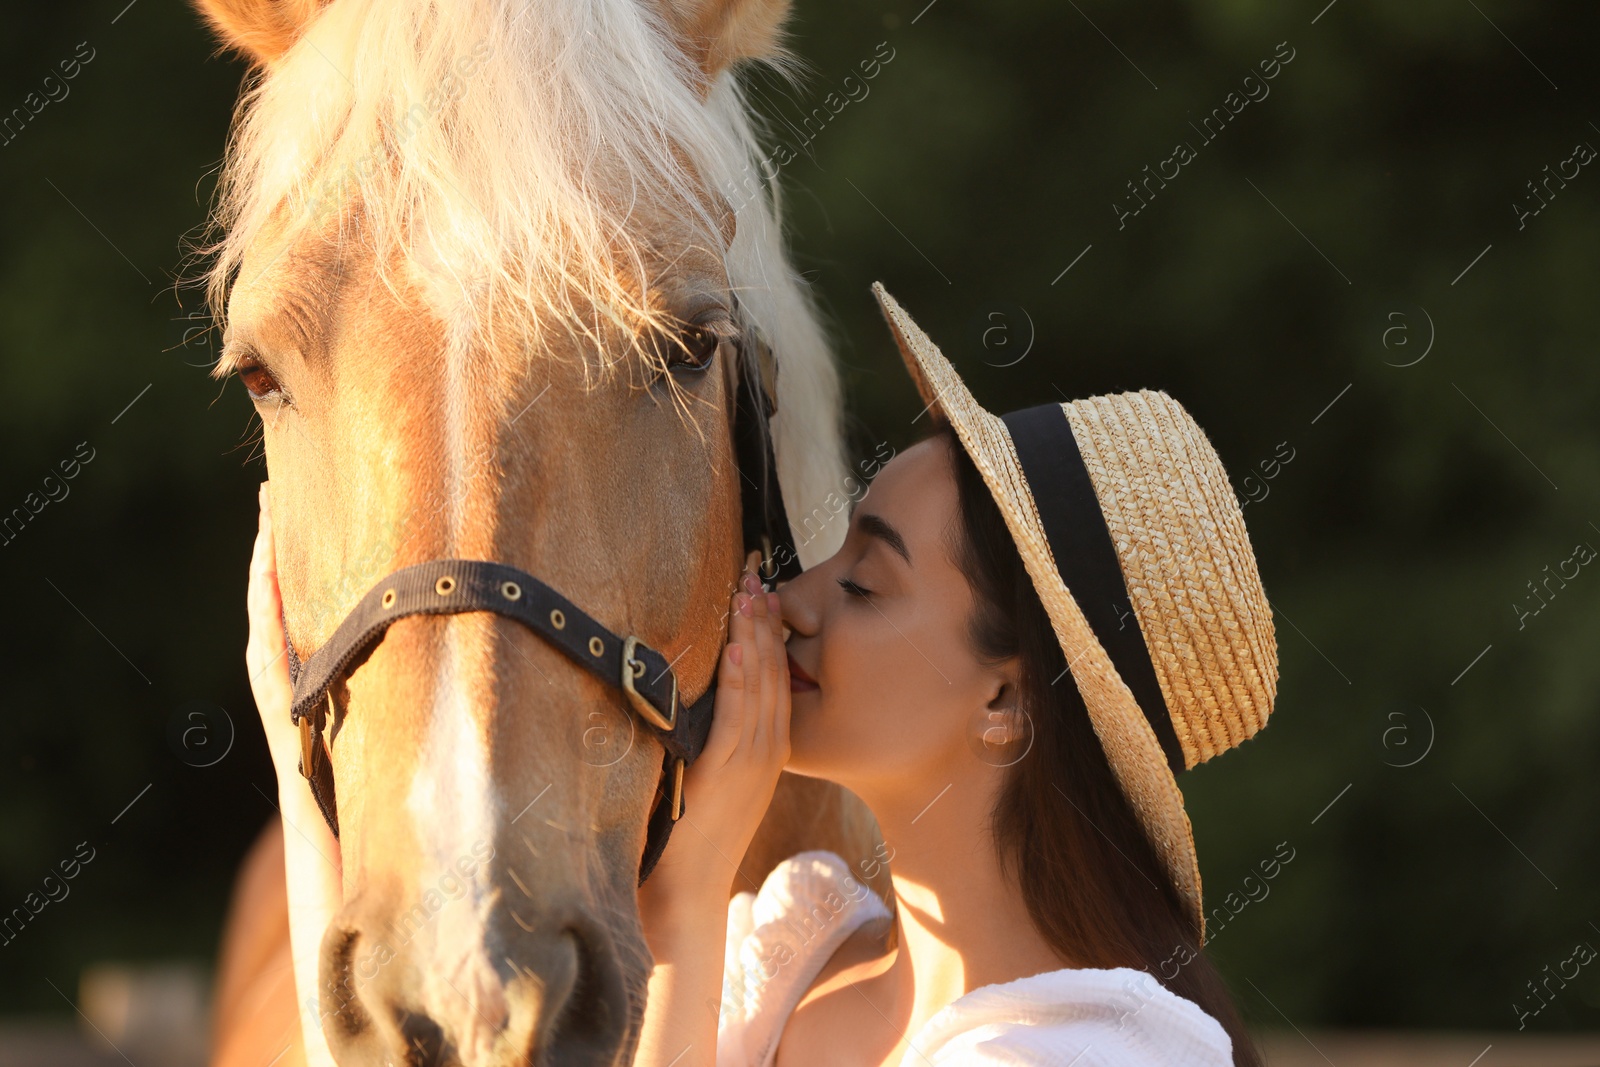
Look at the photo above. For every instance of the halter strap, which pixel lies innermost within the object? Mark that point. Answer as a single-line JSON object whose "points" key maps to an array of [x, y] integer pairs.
{"points": [[452, 586]]}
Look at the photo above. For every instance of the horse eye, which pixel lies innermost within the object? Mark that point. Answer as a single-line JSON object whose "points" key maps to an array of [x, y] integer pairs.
{"points": [[693, 348], [258, 381]]}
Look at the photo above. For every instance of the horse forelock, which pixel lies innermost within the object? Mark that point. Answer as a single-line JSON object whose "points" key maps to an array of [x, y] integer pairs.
{"points": [[504, 157], [499, 150]]}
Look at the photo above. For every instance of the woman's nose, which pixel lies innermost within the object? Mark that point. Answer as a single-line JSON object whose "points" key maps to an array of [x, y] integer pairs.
{"points": [[797, 602]]}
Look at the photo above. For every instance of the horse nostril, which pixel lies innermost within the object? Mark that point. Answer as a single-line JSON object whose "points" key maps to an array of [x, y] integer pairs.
{"points": [[339, 1004], [591, 1023], [424, 1040], [578, 1011]]}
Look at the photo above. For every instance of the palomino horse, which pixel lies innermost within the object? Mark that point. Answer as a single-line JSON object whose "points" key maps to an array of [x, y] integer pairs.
{"points": [[480, 282]]}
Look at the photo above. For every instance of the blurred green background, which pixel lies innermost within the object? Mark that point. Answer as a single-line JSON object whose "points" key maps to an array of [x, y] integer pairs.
{"points": [[1339, 276]]}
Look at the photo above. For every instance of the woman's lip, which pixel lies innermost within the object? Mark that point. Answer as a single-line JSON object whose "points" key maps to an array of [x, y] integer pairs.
{"points": [[799, 680]]}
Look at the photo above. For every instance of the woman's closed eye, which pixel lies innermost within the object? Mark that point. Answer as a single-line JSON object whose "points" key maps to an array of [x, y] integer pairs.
{"points": [[853, 589]]}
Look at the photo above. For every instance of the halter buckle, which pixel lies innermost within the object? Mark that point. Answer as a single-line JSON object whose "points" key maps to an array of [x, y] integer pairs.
{"points": [[310, 733], [634, 668], [676, 811], [308, 745]]}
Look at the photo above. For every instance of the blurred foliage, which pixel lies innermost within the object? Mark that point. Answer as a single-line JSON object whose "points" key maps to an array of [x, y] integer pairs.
{"points": [[1276, 286]]}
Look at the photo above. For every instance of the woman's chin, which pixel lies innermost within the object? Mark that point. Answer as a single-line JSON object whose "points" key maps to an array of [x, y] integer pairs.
{"points": [[802, 754]]}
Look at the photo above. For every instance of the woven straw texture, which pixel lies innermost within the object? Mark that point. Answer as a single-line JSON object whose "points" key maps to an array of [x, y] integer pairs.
{"points": [[1186, 561]]}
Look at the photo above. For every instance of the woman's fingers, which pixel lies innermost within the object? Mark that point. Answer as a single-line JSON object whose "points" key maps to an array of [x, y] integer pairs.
{"points": [[265, 653], [766, 654], [750, 675], [731, 784], [264, 604], [728, 716], [749, 627], [781, 705]]}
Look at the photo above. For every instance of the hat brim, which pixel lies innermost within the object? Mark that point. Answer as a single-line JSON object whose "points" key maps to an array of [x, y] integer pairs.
{"points": [[1131, 748]]}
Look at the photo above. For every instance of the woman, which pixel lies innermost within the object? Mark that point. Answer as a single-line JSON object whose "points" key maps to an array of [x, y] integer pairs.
{"points": [[1047, 895]]}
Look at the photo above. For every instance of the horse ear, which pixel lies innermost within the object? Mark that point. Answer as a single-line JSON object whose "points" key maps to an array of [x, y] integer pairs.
{"points": [[260, 30], [716, 34]]}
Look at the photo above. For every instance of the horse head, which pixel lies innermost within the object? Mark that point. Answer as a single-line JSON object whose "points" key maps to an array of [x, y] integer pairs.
{"points": [[487, 283]]}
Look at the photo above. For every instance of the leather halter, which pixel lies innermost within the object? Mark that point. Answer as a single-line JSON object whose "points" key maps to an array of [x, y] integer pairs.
{"points": [[634, 669]]}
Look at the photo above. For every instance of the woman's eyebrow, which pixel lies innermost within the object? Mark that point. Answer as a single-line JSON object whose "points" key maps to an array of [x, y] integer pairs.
{"points": [[879, 527]]}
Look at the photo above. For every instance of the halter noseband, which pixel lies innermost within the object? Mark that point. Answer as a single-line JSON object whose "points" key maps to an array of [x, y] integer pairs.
{"points": [[642, 674]]}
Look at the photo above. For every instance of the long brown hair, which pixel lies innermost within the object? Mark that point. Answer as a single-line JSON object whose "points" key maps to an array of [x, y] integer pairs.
{"points": [[1094, 886]]}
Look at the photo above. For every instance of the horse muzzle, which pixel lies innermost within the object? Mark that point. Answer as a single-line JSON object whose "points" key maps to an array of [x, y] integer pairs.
{"points": [[464, 983]]}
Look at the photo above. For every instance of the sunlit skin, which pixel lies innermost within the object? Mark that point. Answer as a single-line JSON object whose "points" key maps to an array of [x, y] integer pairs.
{"points": [[887, 698]]}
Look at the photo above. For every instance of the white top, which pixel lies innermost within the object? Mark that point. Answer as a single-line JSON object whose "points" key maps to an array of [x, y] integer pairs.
{"points": [[780, 938]]}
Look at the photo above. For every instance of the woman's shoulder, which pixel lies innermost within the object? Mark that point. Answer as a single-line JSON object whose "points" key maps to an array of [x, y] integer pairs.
{"points": [[807, 905], [779, 940], [808, 879], [1112, 1017]]}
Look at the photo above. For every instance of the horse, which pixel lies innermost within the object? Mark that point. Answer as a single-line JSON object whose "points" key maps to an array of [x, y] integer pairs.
{"points": [[483, 281]]}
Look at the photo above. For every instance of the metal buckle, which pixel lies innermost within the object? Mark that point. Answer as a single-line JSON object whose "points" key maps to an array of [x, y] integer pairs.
{"points": [[308, 745], [634, 668], [309, 736], [676, 811]]}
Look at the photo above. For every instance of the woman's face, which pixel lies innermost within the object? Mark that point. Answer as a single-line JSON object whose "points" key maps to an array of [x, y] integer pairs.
{"points": [[899, 697]]}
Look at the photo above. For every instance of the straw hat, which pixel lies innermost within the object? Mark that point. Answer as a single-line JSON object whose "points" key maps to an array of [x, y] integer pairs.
{"points": [[1166, 544]]}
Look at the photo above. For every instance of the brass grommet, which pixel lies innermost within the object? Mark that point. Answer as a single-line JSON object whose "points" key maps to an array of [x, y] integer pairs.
{"points": [[511, 590], [445, 585], [597, 646], [388, 598], [557, 619]]}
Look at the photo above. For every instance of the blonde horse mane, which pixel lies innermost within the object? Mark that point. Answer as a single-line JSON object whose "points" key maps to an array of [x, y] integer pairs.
{"points": [[497, 154]]}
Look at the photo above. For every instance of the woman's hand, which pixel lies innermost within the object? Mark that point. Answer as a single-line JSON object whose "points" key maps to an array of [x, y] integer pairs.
{"points": [[684, 904], [727, 790], [266, 656], [310, 851]]}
